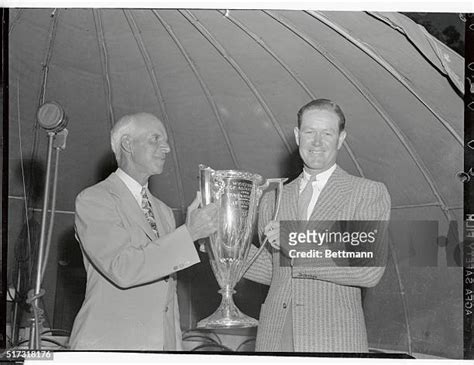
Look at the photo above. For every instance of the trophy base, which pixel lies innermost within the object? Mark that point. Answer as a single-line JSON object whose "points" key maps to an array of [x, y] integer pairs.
{"points": [[217, 320], [227, 315]]}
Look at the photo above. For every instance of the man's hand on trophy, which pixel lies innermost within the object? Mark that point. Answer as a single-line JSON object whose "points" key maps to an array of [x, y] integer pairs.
{"points": [[272, 231], [201, 222]]}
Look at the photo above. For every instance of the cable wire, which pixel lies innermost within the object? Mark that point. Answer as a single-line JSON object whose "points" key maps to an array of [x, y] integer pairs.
{"points": [[28, 232]]}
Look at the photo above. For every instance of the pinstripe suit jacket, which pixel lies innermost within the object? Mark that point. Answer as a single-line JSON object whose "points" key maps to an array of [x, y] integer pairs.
{"points": [[325, 301]]}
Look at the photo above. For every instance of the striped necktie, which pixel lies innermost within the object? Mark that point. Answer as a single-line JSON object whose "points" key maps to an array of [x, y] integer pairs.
{"points": [[148, 211], [305, 198]]}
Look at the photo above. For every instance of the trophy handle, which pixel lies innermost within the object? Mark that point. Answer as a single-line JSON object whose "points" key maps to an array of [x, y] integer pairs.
{"points": [[263, 187], [205, 174]]}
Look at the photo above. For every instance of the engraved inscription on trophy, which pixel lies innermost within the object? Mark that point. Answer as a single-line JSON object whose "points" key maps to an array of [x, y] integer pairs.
{"points": [[239, 195]]}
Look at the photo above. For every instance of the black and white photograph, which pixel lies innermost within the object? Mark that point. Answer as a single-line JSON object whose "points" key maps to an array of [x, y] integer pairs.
{"points": [[177, 180]]}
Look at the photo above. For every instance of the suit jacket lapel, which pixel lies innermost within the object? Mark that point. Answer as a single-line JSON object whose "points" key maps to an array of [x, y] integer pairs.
{"points": [[288, 211], [333, 195], [289, 200], [131, 208]]}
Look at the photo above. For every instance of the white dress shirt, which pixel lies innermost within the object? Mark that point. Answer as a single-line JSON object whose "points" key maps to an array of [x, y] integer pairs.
{"points": [[132, 185], [318, 185]]}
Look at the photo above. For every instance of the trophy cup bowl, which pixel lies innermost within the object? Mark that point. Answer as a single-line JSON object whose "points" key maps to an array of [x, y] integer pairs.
{"points": [[237, 195]]}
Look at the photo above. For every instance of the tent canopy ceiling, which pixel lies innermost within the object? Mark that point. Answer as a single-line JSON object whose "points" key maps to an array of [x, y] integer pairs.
{"points": [[228, 86]]}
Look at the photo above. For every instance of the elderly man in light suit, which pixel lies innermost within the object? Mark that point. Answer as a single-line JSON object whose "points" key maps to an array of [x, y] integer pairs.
{"points": [[317, 308], [132, 249]]}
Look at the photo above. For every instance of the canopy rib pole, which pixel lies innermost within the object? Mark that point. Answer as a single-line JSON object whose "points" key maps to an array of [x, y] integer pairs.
{"points": [[380, 18], [49, 54], [15, 21], [204, 87], [42, 92], [195, 22], [293, 74], [423, 205], [151, 71], [268, 49], [44, 76], [104, 61], [402, 295], [386, 65]]}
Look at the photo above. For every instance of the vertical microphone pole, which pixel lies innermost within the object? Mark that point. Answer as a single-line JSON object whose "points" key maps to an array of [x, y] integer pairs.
{"points": [[35, 342], [52, 118]]}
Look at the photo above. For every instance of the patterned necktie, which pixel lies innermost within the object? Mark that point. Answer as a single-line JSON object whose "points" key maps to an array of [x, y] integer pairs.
{"points": [[148, 211], [305, 198]]}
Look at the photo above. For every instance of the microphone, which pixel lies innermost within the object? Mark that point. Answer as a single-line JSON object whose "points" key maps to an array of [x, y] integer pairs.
{"points": [[51, 117]]}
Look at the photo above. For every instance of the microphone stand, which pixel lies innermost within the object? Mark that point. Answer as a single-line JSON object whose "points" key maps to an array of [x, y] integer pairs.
{"points": [[44, 244]]}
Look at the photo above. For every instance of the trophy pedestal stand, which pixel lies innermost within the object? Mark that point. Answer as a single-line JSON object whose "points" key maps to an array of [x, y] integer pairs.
{"points": [[227, 315]]}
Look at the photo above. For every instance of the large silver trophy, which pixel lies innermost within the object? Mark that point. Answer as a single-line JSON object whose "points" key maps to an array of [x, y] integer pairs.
{"points": [[237, 195]]}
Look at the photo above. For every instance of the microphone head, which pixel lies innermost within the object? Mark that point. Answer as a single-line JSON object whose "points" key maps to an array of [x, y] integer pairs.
{"points": [[51, 117]]}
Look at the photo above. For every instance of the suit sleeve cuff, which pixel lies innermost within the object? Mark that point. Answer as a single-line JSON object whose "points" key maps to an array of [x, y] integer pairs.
{"points": [[188, 255]]}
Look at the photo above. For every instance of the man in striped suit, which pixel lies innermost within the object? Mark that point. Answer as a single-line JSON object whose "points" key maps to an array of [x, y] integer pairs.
{"points": [[317, 308]]}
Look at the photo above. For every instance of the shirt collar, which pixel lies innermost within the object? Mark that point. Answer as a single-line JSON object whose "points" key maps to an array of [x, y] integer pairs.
{"points": [[132, 184], [321, 178]]}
